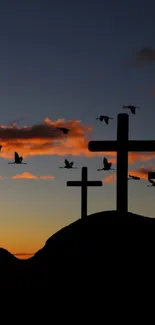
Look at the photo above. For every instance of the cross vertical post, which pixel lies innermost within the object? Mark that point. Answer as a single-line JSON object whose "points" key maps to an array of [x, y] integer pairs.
{"points": [[84, 193], [122, 162]]}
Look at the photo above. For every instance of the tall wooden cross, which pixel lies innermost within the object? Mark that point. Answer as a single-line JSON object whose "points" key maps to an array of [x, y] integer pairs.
{"points": [[84, 183], [122, 146]]}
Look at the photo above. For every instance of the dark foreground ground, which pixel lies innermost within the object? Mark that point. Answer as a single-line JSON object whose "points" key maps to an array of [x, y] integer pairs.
{"points": [[104, 247]]}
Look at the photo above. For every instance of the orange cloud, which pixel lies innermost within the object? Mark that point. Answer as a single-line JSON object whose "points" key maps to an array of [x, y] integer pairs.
{"points": [[25, 175], [109, 179], [46, 177], [142, 173], [28, 175], [46, 139]]}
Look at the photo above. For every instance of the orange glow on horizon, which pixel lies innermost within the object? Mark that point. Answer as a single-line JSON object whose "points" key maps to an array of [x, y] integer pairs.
{"points": [[24, 256]]}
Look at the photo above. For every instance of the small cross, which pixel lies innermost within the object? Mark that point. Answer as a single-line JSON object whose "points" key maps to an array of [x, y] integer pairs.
{"points": [[84, 183], [122, 146]]}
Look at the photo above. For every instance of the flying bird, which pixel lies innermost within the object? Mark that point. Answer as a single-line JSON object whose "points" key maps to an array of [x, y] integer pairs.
{"points": [[18, 160], [1, 147], [134, 177], [105, 118], [68, 165], [64, 130], [152, 182], [107, 165], [132, 108]]}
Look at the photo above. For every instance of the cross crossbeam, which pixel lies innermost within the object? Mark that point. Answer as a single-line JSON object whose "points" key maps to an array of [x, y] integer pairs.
{"points": [[132, 146], [84, 183], [122, 146]]}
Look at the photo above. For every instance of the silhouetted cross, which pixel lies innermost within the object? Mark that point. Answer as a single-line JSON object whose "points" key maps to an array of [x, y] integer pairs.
{"points": [[84, 183], [122, 146]]}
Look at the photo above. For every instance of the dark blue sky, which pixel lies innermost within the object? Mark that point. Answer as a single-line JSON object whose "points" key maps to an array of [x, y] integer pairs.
{"points": [[72, 60], [59, 56]]}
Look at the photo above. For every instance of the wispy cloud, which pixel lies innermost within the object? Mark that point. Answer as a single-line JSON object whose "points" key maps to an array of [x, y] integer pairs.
{"points": [[27, 175], [109, 179], [23, 255], [133, 157], [142, 173], [46, 177], [45, 139]]}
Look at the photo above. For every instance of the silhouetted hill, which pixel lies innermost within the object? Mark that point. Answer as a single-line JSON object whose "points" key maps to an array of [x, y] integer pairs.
{"points": [[101, 245], [9, 266], [6, 258]]}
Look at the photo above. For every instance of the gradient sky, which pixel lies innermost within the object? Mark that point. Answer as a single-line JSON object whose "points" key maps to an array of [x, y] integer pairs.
{"points": [[71, 60]]}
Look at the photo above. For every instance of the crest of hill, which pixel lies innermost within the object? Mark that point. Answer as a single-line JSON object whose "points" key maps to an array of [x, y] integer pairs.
{"points": [[6, 255], [96, 227], [7, 261], [98, 244], [100, 230]]}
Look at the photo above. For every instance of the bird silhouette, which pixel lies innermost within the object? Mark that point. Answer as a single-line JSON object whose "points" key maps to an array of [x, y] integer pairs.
{"points": [[107, 165], [68, 165], [105, 118], [18, 160], [134, 177], [64, 130], [151, 181], [132, 108], [1, 148]]}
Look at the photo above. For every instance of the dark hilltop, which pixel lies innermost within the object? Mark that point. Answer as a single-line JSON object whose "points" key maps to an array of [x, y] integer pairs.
{"points": [[99, 244]]}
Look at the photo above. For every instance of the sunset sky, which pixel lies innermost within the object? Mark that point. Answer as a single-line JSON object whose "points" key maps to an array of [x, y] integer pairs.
{"points": [[64, 63]]}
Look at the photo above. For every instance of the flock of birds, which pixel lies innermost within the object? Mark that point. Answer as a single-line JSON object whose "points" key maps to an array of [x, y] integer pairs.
{"points": [[106, 118], [106, 164], [138, 178]]}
